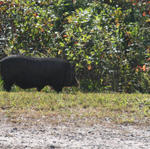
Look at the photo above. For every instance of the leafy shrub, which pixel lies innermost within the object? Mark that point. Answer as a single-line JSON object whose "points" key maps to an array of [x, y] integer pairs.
{"points": [[106, 40]]}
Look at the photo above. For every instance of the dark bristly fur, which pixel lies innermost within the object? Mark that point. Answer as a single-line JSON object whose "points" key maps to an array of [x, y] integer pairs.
{"points": [[29, 72]]}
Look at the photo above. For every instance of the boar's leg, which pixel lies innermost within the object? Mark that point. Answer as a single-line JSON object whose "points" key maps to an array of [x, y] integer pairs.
{"points": [[58, 89], [39, 88], [7, 86]]}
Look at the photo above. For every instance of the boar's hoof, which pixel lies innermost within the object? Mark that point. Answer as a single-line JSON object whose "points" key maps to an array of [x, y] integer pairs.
{"points": [[7, 87], [58, 89], [39, 88]]}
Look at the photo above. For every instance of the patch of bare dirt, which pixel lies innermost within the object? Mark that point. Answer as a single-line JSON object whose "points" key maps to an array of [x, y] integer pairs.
{"points": [[71, 134]]}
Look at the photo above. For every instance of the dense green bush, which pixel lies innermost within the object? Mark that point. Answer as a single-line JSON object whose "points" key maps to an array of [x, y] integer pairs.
{"points": [[107, 40]]}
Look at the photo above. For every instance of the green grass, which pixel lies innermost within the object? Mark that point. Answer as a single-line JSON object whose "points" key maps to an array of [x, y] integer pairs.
{"points": [[96, 107]]}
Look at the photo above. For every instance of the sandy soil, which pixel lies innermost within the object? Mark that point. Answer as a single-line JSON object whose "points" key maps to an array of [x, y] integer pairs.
{"points": [[74, 134]]}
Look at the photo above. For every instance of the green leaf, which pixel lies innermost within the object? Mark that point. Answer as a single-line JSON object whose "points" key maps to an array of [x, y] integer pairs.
{"points": [[62, 44], [80, 30]]}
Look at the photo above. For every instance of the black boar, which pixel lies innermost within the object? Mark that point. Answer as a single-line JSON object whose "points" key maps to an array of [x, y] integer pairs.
{"points": [[29, 72]]}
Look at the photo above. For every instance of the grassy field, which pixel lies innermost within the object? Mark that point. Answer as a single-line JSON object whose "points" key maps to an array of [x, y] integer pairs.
{"points": [[94, 107]]}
